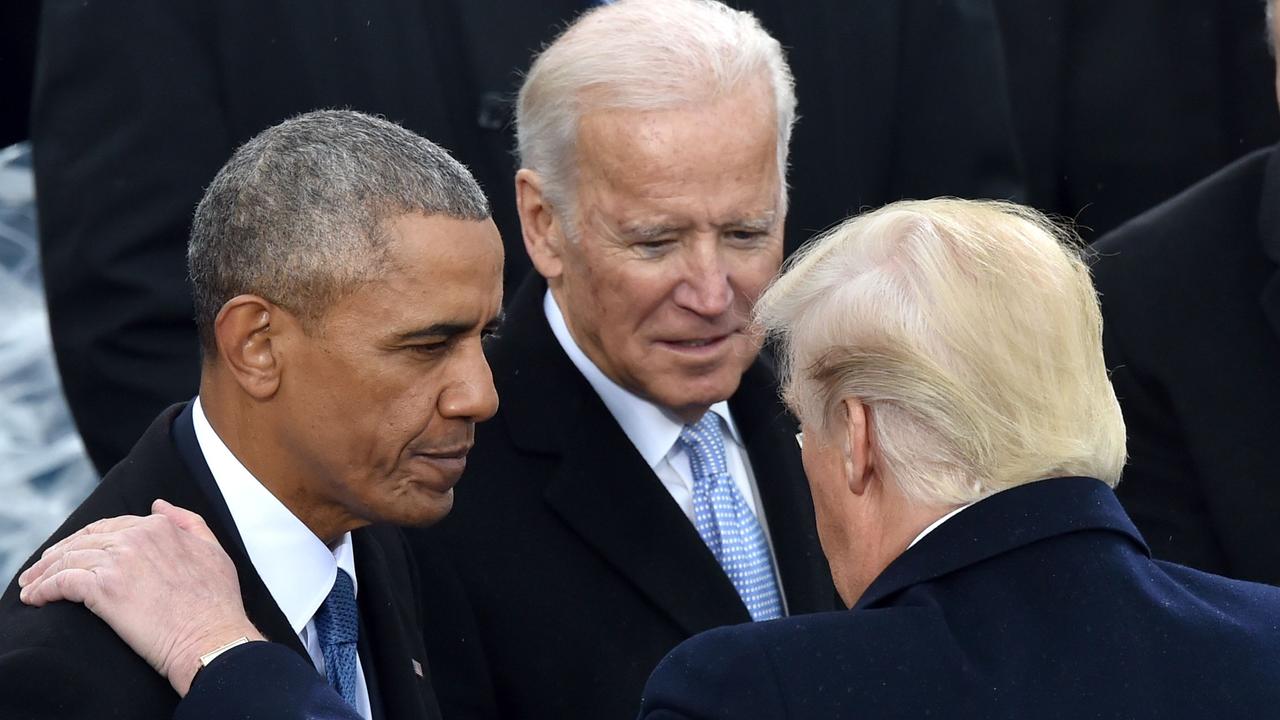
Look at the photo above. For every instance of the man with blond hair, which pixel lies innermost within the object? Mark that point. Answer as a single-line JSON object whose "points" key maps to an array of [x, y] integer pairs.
{"points": [[641, 481], [961, 440]]}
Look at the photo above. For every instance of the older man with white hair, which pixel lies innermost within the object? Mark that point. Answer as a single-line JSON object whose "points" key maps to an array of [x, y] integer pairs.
{"points": [[641, 482], [961, 439]]}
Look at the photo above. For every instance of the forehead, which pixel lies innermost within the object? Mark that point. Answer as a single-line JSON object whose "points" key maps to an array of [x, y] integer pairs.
{"points": [[438, 269], [715, 160]]}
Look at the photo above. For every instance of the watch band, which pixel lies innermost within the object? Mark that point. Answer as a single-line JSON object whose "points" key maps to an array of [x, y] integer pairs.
{"points": [[208, 657]]}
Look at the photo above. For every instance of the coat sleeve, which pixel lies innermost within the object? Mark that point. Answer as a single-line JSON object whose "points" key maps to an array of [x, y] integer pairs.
{"points": [[262, 680], [719, 674]]}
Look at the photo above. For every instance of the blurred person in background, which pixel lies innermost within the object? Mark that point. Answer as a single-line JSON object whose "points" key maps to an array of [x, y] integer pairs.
{"points": [[1191, 297], [961, 440], [1119, 104], [138, 102]]}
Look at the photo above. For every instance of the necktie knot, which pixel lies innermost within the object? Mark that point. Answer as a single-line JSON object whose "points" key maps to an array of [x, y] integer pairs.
{"points": [[338, 627], [705, 445]]}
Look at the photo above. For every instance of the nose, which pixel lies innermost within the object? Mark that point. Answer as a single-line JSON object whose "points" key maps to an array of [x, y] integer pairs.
{"points": [[705, 288], [470, 394]]}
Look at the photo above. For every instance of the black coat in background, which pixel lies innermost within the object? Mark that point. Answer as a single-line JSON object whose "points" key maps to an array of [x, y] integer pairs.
{"points": [[1191, 308], [896, 100], [1038, 602], [139, 102], [581, 570], [60, 661], [137, 105], [1119, 104]]}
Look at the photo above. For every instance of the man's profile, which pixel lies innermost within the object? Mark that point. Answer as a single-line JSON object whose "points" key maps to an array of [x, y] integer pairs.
{"points": [[344, 272]]}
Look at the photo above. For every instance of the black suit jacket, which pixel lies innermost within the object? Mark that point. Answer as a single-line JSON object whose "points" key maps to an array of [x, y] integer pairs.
{"points": [[581, 569], [60, 661], [1191, 303], [1038, 602]]}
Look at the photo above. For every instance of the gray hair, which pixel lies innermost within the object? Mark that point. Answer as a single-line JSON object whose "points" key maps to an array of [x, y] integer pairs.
{"points": [[971, 331], [642, 55], [296, 215]]}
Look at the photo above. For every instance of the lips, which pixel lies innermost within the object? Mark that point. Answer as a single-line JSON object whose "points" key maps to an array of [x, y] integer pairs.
{"points": [[448, 463], [698, 344]]}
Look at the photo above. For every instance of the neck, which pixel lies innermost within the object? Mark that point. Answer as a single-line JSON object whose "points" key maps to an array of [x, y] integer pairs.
{"points": [[247, 427], [888, 527]]}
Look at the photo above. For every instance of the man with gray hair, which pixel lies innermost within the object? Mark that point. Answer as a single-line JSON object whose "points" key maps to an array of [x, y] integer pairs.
{"points": [[962, 439], [344, 272], [641, 482]]}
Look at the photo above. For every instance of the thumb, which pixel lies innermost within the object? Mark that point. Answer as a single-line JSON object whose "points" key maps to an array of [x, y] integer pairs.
{"points": [[184, 519]]}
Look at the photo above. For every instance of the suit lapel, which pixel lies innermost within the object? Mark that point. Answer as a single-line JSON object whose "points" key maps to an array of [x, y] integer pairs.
{"points": [[203, 498], [603, 489], [769, 434], [1269, 229], [608, 494], [1003, 522], [392, 644]]}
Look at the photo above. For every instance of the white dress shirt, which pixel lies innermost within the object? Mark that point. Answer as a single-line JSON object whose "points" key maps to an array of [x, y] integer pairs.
{"points": [[654, 432], [295, 565]]}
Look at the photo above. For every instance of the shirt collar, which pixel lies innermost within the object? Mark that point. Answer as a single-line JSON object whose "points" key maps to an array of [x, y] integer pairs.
{"points": [[651, 429], [295, 565], [934, 525]]}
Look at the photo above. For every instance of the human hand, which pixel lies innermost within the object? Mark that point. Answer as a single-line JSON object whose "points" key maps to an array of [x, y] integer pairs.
{"points": [[161, 582]]}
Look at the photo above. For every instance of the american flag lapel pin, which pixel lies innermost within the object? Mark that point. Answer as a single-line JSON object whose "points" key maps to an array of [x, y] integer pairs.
{"points": [[417, 667]]}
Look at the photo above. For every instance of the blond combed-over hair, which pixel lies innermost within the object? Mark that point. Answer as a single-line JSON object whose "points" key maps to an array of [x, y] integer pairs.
{"points": [[969, 329]]}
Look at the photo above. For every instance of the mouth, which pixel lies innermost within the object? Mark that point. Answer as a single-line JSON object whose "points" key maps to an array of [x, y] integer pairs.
{"points": [[698, 346], [448, 462]]}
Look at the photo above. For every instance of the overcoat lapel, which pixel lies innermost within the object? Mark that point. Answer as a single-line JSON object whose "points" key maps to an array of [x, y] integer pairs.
{"points": [[1003, 522], [608, 494], [602, 488]]}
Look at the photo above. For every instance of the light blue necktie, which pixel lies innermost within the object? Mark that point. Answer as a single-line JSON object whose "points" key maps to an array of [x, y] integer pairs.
{"points": [[338, 627], [726, 523]]}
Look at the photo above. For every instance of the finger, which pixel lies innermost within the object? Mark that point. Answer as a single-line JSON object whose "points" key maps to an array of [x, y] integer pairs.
{"points": [[74, 558], [99, 527], [99, 536], [73, 584], [185, 519]]}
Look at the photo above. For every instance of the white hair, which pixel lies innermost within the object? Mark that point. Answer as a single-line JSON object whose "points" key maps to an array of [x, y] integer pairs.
{"points": [[970, 330], [642, 55]]}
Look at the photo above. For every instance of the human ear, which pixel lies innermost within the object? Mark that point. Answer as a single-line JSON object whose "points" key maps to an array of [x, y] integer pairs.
{"points": [[859, 465], [539, 224], [244, 332]]}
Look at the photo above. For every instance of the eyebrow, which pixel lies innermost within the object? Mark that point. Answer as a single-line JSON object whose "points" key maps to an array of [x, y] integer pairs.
{"points": [[447, 329], [646, 232], [761, 223]]}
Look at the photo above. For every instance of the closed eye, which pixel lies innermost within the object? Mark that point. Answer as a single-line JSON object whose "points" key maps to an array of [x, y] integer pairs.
{"points": [[428, 348]]}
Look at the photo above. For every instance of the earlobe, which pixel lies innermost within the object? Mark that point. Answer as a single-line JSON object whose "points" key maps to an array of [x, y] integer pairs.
{"points": [[539, 224], [245, 330]]}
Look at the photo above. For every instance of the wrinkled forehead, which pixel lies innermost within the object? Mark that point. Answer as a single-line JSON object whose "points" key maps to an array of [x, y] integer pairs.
{"points": [[719, 163]]}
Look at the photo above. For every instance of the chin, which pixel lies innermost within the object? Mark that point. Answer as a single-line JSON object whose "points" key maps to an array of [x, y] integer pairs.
{"points": [[428, 508]]}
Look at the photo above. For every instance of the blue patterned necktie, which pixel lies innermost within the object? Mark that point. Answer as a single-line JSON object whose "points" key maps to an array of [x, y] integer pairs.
{"points": [[338, 627], [726, 523]]}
